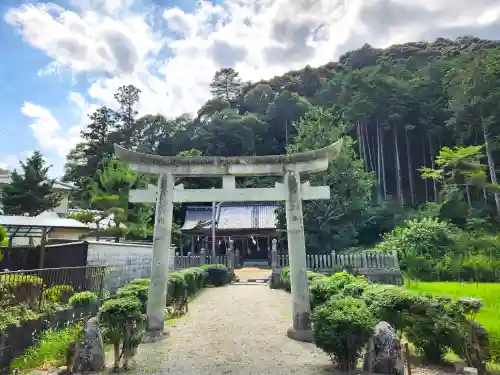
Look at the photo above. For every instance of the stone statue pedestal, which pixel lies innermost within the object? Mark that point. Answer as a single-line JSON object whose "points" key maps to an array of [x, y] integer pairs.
{"points": [[90, 351]]}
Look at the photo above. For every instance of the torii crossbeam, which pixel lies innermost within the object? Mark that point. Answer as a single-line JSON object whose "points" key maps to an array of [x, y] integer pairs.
{"points": [[292, 191]]}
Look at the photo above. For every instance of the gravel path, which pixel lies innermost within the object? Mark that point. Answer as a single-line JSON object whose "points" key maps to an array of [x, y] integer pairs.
{"points": [[236, 329], [252, 273]]}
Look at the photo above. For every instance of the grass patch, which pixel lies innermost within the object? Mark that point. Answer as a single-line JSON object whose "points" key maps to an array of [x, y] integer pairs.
{"points": [[49, 350], [489, 293], [171, 321]]}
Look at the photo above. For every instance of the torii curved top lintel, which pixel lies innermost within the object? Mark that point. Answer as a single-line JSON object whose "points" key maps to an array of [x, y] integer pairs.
{"points": [[329, 152]]}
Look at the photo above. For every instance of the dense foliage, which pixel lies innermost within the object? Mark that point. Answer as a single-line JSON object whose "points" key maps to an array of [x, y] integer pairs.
{"points": [[395, 107], [346, 309], [342, 328], [431, 249], [59, 293], [182, 283], [83, 299]]}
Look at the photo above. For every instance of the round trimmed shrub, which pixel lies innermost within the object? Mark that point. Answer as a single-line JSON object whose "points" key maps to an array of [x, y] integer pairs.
{"points": [[58, 293], [322, 289], [317, 292], [201, 276], [434, 325], [311, 276], [144, 281], [392, 304], [190, 276], [122, 319], [139, 291], [216, 274], [83, 299], [176, 287], [342, 328], [24, 288], [285, 281], [115, 312]]}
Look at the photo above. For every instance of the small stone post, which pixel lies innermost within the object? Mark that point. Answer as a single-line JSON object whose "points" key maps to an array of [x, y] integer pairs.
{"points": [[171, 259], [230, 256], [202, 256], [334, 259], [301, 308], [238, 258], [275, 274], [162, 238], [395, 257]]}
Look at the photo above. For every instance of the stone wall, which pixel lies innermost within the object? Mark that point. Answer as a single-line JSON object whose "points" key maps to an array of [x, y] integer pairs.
{"points": [[125, 262]]}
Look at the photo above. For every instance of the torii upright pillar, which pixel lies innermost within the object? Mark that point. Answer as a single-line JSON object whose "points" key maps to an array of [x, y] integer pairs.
{"points": [[289, 166]]}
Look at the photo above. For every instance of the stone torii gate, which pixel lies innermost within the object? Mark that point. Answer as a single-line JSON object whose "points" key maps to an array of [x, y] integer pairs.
{"points": [[292, 191]]}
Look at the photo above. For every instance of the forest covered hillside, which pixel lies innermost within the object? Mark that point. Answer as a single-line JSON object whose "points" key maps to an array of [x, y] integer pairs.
{"points": [[398, 107]]}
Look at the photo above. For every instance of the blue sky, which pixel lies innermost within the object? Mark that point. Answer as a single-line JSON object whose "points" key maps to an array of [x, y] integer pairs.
{"points": [[62, 59]]}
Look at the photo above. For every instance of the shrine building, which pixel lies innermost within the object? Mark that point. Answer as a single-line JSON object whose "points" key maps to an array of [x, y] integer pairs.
{"points": [[251, 225]]}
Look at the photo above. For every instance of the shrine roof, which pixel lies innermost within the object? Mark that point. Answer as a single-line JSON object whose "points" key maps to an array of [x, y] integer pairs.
{"points": [[232, 216]]}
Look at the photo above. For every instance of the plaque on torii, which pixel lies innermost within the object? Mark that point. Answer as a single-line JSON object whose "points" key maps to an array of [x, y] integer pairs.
{"points": [[292, 191]]}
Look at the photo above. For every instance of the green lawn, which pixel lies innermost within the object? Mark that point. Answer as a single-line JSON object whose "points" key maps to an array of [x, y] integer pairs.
{"points": [[489, 293]]}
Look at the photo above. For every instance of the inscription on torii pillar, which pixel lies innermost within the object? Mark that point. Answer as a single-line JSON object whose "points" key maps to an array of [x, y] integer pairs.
{"points": [[292, 191]]}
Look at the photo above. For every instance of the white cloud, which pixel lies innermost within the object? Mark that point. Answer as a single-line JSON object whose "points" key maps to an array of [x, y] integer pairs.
{"points": [[47, 130], [259, 38], [11, 161], [52, 139]]}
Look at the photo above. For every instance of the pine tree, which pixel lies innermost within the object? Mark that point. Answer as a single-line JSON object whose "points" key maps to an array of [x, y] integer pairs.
{"points": [[226, 84], [128, 128], [92, 154], [97, 136], [31, 192]]}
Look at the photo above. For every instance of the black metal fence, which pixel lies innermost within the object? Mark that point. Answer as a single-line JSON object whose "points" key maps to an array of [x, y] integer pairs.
{"points": [[34, 287], [64, 254]]}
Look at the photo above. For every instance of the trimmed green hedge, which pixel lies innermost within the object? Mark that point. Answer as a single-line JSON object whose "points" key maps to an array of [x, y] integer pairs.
{"points": [[216, 274], [18, 288], [58, 293], [83, 299], [188, 282], [432, 324], [285, 283], [139, 291]]}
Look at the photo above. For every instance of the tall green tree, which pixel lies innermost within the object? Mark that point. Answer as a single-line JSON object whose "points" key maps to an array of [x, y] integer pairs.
{"points": [[94, 151], [333, 224], [128, 132], [258, 98], [226, 84], [458, 168], [475, 94], [286, 108], [30, 192]]}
